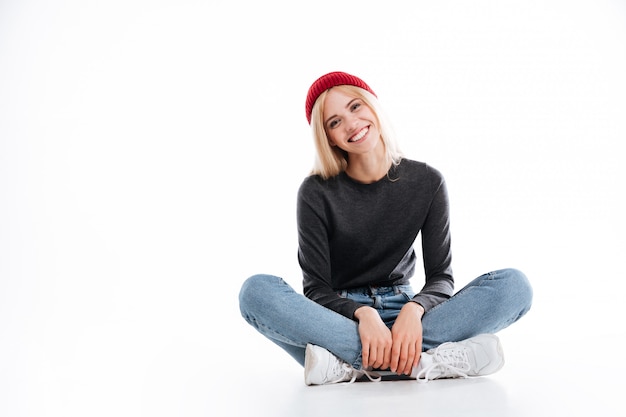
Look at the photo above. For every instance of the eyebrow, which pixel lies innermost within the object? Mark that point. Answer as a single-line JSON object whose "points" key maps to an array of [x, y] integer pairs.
{"points": [[347, 106]]}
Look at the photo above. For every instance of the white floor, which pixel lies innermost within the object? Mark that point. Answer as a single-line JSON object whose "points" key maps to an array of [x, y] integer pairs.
{"points": [[558, 385], [558, 379], [123, 369]]}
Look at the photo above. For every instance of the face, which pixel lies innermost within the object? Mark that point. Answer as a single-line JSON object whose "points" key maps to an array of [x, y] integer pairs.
{"points": [[350, 124]]}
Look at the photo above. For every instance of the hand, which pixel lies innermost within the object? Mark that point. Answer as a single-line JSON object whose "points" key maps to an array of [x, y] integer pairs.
{"points": [[376, 339], [407, 339]]}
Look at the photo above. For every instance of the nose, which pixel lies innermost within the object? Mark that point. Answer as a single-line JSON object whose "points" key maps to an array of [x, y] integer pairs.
{"points": [[353, 123]]}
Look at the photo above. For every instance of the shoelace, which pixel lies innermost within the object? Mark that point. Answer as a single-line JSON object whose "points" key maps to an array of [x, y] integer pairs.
{"points": [[450, 362], [372, 376], [341, 370]]}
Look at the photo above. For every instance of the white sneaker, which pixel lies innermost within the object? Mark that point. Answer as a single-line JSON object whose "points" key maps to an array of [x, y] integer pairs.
{"points": [[322, 367], [476, 356]]}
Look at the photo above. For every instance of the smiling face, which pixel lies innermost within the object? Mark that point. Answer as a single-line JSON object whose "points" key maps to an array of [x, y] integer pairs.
{"points": [[350, 123]]}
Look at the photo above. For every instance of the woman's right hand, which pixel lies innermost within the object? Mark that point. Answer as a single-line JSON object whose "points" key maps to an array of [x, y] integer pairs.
{"points": [[375, 337]]}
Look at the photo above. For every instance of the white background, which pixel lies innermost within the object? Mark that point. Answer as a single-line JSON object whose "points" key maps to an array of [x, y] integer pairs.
{"points": [[150, 153]]}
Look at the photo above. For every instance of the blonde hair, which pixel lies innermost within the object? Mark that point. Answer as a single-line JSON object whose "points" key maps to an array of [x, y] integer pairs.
{"points": [[331, 160]]}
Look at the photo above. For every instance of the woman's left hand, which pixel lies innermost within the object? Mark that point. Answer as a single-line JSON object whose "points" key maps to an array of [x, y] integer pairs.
{"points": [[406, 336]]}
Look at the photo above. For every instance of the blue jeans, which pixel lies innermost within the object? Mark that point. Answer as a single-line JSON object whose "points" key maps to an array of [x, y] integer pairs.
{"points": [[488, 304]]}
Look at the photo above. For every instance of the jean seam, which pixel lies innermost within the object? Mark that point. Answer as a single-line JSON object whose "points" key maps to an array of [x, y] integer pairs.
{"points": [[490, 276], [282, 337]]}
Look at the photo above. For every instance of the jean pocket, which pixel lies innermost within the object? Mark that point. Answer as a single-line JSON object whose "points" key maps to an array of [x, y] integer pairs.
{"points": [[396, 301], [407, 291], [409, 295]]}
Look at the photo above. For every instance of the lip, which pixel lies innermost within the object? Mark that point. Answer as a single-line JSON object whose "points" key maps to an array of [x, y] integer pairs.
{"points": [[364, 131]]}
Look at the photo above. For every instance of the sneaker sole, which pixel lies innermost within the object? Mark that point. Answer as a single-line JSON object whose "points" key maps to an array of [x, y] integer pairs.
{"points": [[309, 363], [487, 370]]}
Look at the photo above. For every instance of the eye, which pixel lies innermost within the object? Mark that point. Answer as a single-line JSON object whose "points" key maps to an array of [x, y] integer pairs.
{"points": [[355, 106], [333, 123]]}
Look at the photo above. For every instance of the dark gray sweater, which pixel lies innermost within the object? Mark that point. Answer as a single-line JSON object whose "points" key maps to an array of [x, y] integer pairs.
{"points": [[353, 235]]}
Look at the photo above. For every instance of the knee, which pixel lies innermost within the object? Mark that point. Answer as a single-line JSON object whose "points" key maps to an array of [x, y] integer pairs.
{"points": [[518, 287], [254, 290]]}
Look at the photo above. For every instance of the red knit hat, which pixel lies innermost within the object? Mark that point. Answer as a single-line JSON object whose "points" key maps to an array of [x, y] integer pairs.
{"points": [[330, 80]]}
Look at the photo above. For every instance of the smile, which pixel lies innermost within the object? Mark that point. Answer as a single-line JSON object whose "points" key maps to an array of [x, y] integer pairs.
{"points": [[359, 135]]}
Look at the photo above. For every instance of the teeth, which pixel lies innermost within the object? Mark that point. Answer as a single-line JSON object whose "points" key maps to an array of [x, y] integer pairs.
{"points": [[359, 136]]}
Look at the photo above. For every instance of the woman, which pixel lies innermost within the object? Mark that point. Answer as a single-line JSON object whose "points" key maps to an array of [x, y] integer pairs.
{"points": [[359, 213]]}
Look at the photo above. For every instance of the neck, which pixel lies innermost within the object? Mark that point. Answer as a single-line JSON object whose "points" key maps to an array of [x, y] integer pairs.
{"points": [[367, 168]]}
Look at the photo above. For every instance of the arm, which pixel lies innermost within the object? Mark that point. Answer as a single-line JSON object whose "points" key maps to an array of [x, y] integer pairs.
{"points": [[314, 250], [436, 248]]}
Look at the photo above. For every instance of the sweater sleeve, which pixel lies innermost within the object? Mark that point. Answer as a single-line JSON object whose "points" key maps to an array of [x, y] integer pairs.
{"points": [[314, 251], [436, 248]]}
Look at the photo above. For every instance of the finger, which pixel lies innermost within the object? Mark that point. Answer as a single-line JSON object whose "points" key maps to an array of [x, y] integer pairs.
{"points": [[387, 360], [394, 357], [414, 358], [418, 352], [407, 366], [403, 358], [418, 355], [365, 356], [376, 357]]}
